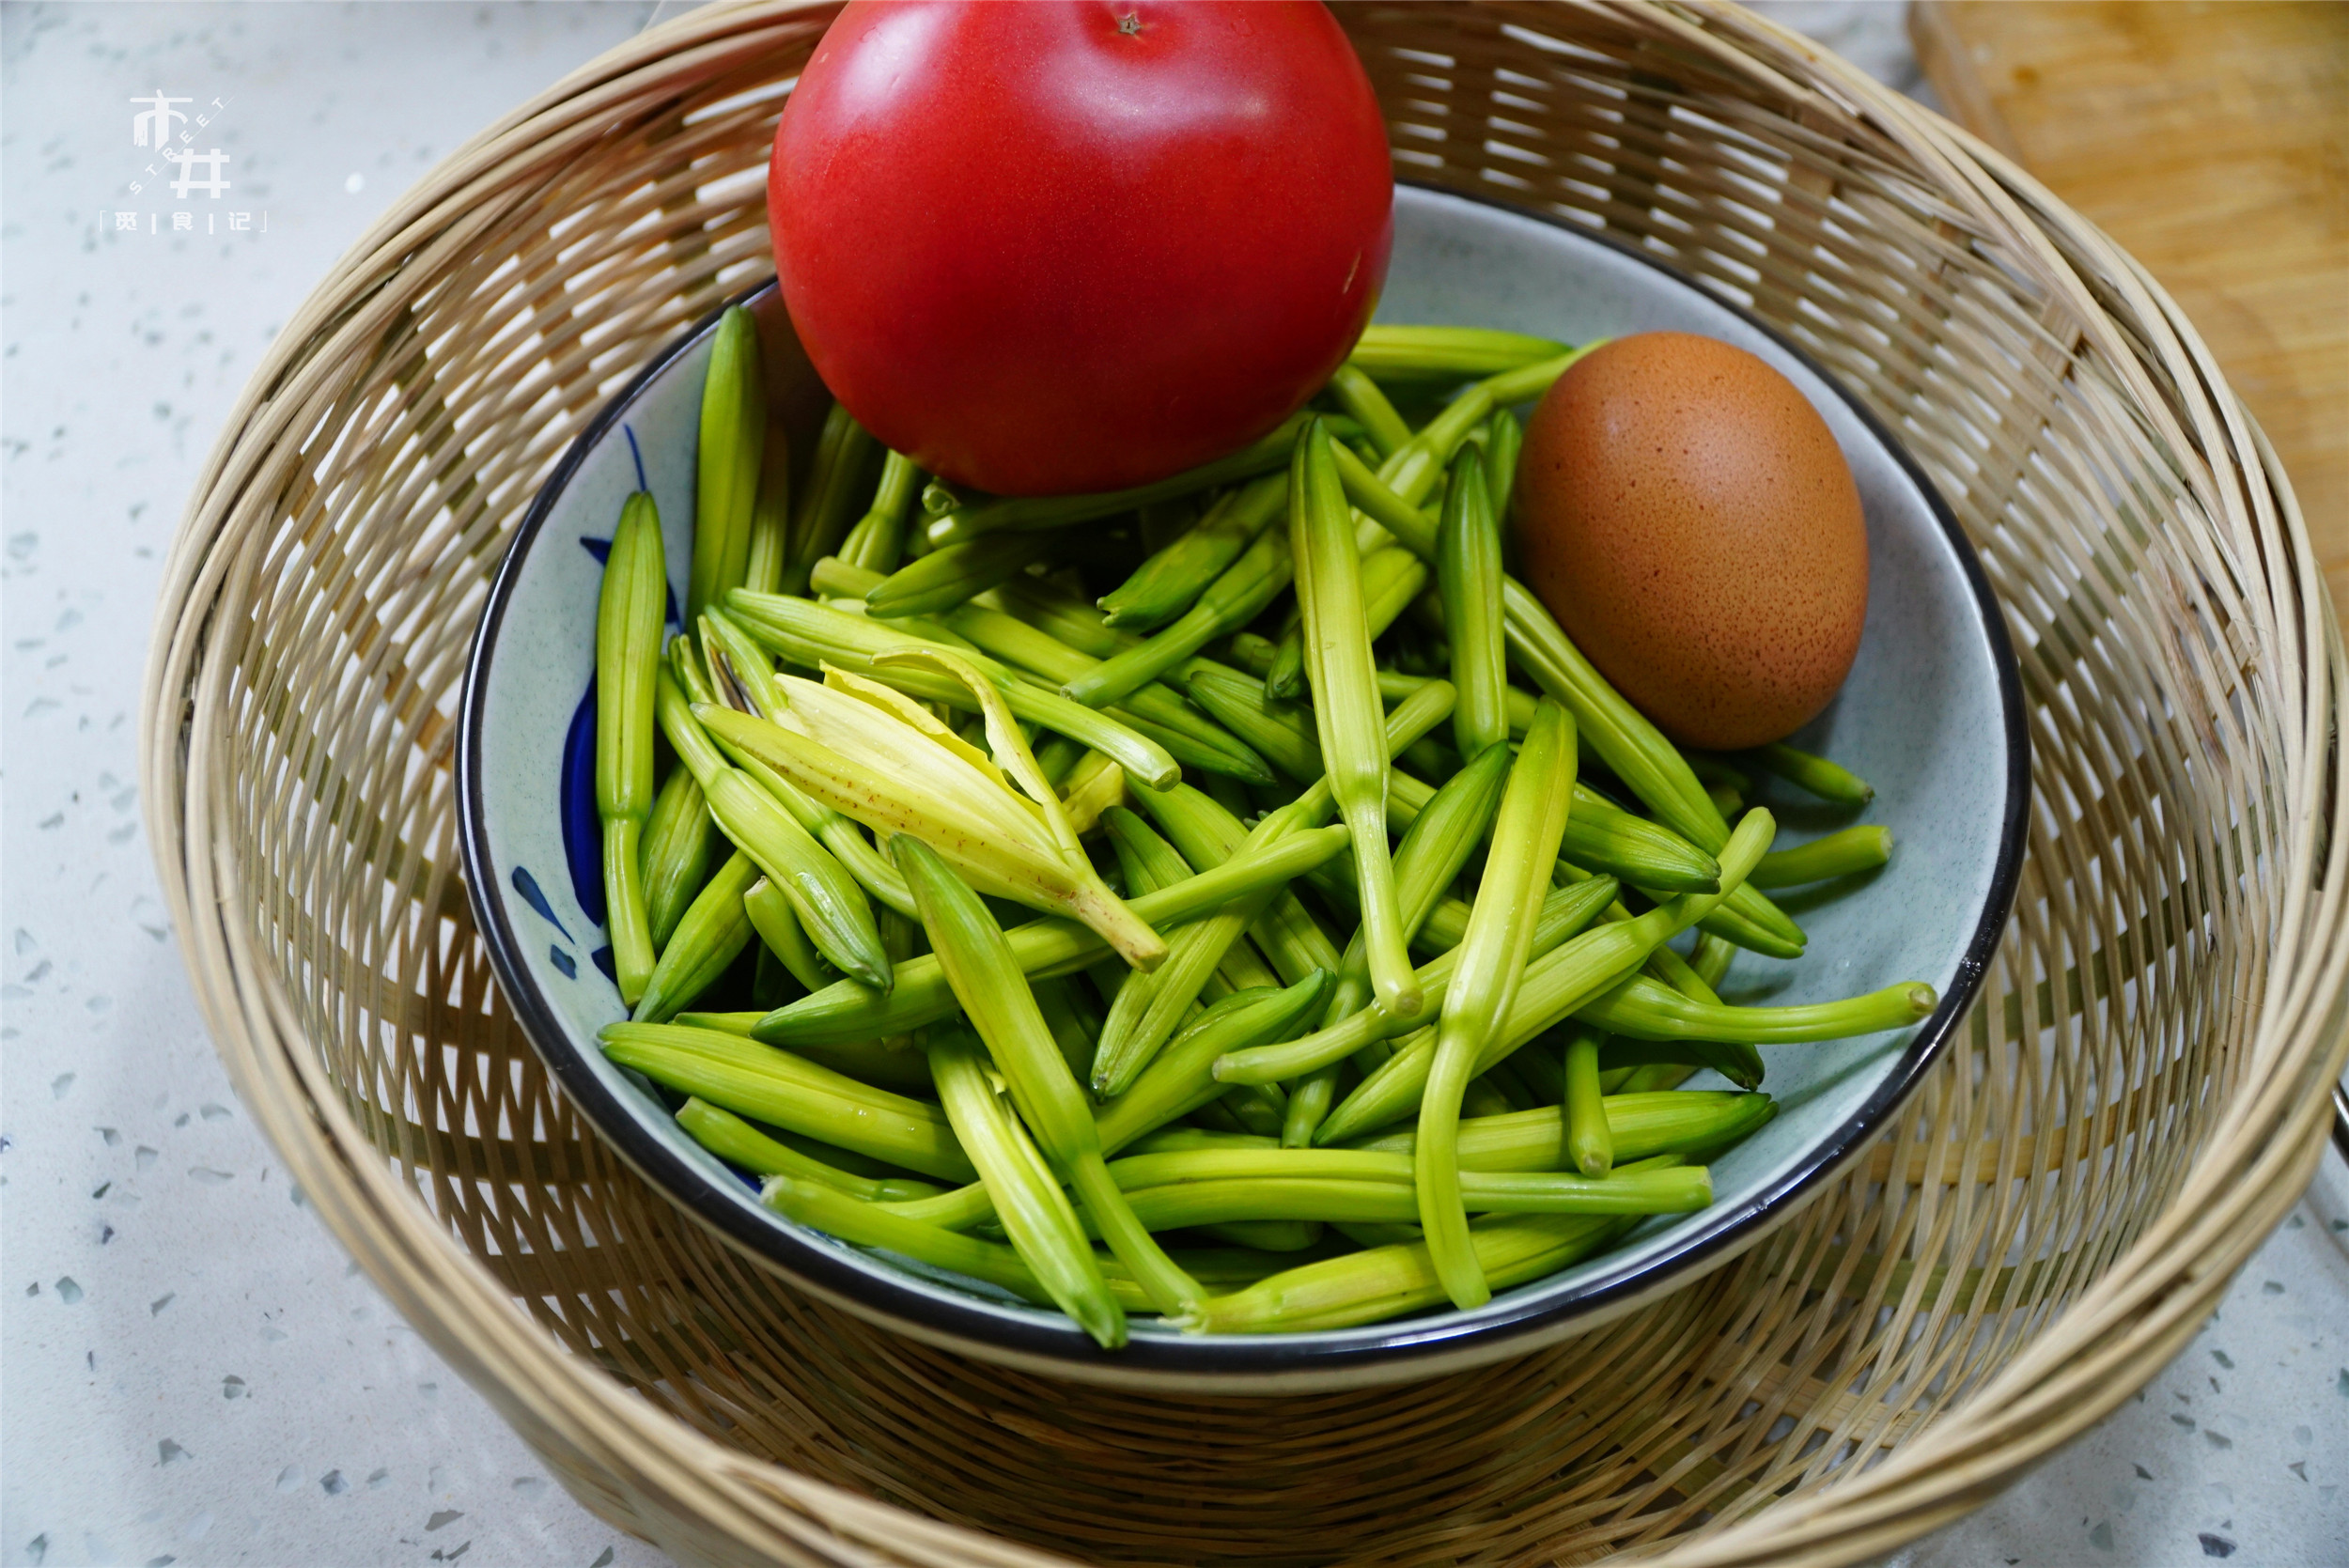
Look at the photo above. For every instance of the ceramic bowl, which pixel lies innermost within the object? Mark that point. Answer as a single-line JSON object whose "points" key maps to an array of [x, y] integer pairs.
{"points": [[1932, 715]]}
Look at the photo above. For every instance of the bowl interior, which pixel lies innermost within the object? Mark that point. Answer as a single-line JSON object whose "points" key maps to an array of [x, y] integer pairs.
{"points": [[1931, 716]]}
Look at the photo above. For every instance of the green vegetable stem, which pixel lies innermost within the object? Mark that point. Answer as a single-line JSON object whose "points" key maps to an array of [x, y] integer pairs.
{"points": [[987, 980], [1816, 774], [1179, 1081], [771, 513], [827, 503], [1171, 581], [733, 440], [1468, 576], [1388, 1282], [1021, 1188], [1347, 709], [1149, 1007], [732, 1139], [1504, 441], [1485, 982], [1236, 598], [1359, 395], [1439, 352], [948, 577], [1590, 1143], [628, 659], [866, 1225], [1837, 854], [1641, 1009], [877, 541], [678, 840], [792, 1093], [712, 935]]}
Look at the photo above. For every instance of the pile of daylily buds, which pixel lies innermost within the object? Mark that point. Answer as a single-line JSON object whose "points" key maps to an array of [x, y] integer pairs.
{"points": [[1249, 956]]}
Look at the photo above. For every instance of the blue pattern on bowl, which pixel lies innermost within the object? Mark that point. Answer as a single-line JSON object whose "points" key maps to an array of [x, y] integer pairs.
{"points": [[575, 797]]}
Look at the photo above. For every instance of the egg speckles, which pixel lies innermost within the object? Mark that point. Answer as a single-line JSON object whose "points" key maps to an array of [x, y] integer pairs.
{"points": [[1687, 515]]}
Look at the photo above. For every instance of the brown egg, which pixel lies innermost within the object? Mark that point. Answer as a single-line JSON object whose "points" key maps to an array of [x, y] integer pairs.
{"points": [[1686, 514]]}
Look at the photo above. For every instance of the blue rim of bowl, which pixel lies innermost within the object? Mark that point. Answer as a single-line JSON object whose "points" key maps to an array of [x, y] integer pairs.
{"points": [[1437, 1338]]}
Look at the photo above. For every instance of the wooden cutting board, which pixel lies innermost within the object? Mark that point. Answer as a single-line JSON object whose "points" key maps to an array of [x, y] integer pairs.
{"points": [[2212, 141]]}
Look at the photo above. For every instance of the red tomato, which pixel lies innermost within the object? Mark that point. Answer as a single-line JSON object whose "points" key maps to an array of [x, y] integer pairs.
{"points": [[1071, 245]]}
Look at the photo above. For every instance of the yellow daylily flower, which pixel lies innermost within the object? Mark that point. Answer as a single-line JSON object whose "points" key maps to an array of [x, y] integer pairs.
{"points": [[875, 755]]}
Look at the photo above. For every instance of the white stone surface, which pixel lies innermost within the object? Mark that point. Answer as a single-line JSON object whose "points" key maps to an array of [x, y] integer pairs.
{"points": [[194, 1370]]}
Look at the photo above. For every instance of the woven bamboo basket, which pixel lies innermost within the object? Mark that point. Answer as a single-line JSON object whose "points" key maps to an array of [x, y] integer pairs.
{"points": [[2138, 1098]]}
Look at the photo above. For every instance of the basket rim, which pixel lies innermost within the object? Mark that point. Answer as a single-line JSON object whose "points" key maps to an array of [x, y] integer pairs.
{"points": [[1270, 1365]]}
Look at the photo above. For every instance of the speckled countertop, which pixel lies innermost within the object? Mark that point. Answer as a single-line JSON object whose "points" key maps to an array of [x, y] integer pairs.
{"points": [[194, 1372]]}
